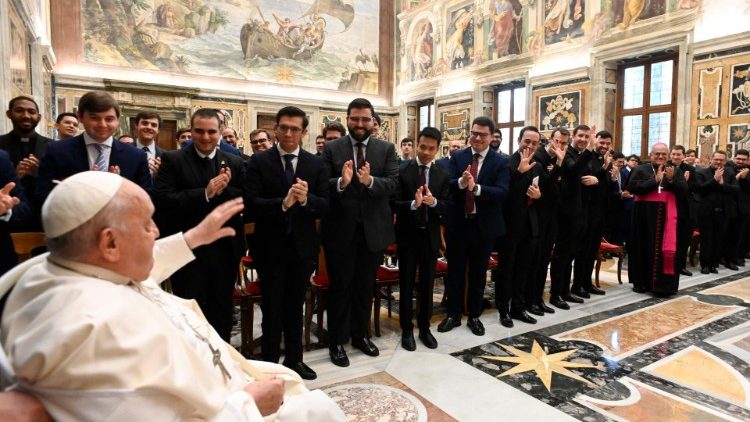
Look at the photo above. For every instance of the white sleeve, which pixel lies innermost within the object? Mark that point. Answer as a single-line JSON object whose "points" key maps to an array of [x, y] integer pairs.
{"points": [[239, 407], [170, 254]]}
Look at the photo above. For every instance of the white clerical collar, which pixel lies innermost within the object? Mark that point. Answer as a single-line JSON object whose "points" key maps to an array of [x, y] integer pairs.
{"points": [[202, 155], [90, 270], [482, 154], [89, 140], [283, 153]]}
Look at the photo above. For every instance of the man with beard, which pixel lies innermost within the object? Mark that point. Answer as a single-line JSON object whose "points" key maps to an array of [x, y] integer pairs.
{"points": [[653, 238], [497, 139], [736, 247], [66, 125], [550, 157], [519, 248], [146, 130], [26, 148], [684, 219], [364, 177]]}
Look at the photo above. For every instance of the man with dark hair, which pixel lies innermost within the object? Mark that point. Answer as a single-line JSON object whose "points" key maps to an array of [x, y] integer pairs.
{"points": [[684, 220], [94, 149], [260, 140], [15, 210], [183, 135], [407, 149], [497, 139], [191, 182], [423, 198], [26, 148], [620, 202], [126, 139], [715, 186], [364, 177], [147, 126], [333, 130], [230, 136], [223, 145], [691, 157], [479, 185], [284, 210], [377, 121], [736, 247], [66, 125], [517, 254], [320, 143], [452, 147]]}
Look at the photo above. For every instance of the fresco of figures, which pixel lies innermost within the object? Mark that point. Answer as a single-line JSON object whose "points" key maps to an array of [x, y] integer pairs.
{"points": [[329, 44], [505, 28]]}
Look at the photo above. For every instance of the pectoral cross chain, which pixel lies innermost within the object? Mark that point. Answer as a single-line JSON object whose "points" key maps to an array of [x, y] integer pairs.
{"points": [[217, 361]]}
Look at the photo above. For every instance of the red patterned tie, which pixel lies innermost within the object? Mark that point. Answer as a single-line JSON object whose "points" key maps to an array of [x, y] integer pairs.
{"points": [[469, 207]]}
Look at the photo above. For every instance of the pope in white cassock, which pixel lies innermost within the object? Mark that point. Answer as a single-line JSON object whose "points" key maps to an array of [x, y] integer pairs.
{"points": [[88, 331]]}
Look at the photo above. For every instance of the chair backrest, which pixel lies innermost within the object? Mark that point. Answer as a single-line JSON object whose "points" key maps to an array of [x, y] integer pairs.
{"points": [[25, 243]]}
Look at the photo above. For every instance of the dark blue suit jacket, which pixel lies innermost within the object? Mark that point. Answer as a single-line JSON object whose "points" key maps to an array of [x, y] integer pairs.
{"points": [[223, 146], [493, 179], [69, 156], [21, 212]]}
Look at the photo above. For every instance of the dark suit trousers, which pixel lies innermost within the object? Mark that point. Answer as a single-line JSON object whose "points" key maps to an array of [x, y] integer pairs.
{"points": [[712, 229], [684, 235], [515, 273], [743, 246], [570, 236], [284, 280], [467, 248], [547, 235], [415, 253], [584, 259], [733, 241], [351, 269], [209, 279]]}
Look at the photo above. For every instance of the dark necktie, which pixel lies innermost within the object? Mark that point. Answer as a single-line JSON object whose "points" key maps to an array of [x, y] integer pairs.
{"points": [[289, 168], [469, 207], [423, 208], [210, 168], [360, 155]]}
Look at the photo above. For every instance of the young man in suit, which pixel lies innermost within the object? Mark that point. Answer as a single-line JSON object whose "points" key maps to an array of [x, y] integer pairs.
{"points": [[66, 125], [423, 198], [191, 182], [94, 149], [364, 177], [479, 185], [14, 207], [287, 191], [147, 126]]}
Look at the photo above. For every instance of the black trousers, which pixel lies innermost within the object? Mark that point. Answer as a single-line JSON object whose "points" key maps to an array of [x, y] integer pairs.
{"points": [[467, 248], [570, 237], [743, 240], [516, 255], [712, 229], [284, 280], [351, 269], [209, 279], [586, 255], [684, 236], [416, 253], [733, 243], [547, 235]]}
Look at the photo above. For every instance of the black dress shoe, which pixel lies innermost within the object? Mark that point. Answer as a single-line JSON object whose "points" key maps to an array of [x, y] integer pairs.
{"points": [[705, 270], [572, 299], [407, 341], [523, 317], [595, 291], [546, 308], [740, 262], [303, 370], [559, 302], [427, 339], [506, 321], [714, 270], [448, 324], [536, 310], [580, 292], [685, 272], [338, 355], [731, 266], [476, 327], [640, 289], [366, 346]]}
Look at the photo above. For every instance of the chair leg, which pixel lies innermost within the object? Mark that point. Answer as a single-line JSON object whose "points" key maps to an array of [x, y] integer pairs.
{"points": [[308, 317], [388, 299], [376, 312], [596, 271], [620, 258], [251, 318], [321, 299], [244, 328]]}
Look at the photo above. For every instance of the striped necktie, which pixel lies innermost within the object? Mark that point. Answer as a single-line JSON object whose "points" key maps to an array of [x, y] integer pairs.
{"points": [[101, 158]]}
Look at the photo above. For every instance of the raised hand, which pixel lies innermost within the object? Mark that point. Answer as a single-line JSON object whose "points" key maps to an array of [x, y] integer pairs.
{"points": [[27, 166], [154, 164], [299, 190], [659, 173], [7, 202], [743, 173], [589, 180], [525, 164], [670, 173], [212, 227], [347, 172], [114, 169], [363, 174], [534, 192], [467, 179], [419, 197], [719, 176], [687, 176], [217, 185], [428, 198]]}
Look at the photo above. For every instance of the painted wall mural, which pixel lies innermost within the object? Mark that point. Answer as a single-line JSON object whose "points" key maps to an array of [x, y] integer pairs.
{"points": [[563, 20], [20, 66], [455, 121], [459, 38], [329, 44], [708, 137], [740, 97], [627, 12], [422, 51], [709, 93], [504, 28], [739, 136], [561, 110]]}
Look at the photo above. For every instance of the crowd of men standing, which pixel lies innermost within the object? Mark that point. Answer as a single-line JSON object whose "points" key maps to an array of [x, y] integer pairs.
{"points": [[548, 205]]}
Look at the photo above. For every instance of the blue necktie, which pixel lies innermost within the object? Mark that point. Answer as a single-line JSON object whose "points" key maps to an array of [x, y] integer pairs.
{"points": [[101, 159]]}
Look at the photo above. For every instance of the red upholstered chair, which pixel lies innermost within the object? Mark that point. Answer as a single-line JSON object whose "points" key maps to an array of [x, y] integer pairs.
{"points": [[694, 244], [611, 249], [246, 294], [385, 278], [319, 283]]}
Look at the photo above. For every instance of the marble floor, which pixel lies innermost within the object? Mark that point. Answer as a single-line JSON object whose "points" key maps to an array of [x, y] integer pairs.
{"points": [[623, 356]]}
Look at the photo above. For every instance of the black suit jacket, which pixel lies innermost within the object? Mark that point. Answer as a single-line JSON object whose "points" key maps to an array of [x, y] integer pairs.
{"points": [[575, 165], [371, 205], [21, 212], [70, 156], [267, 187], [159, 150], [180, 198], [550, 183], [408, 221], [11, 143], [712, 195], [520, 216]]}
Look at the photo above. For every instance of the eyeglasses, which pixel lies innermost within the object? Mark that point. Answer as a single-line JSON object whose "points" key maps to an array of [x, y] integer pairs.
{"points": [[285, 129], [258, 141], [480, 134], [356, 119]]}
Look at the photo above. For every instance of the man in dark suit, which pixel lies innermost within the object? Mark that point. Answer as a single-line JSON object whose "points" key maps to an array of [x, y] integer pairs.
{"points": [[147, 126], [684, 220], [479, 184], [25, 148], [742, 244], [364, 177], [14, 207], [518, 251], [223, 145], [191, 182], [715, 187], [423, 198], [287, 190], [94, 149]]}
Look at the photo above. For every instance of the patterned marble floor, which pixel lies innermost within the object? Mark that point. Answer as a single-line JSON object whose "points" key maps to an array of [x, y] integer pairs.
{"points": [[622, 356]]}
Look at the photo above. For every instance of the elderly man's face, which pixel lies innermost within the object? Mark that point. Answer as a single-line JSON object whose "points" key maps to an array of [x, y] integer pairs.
{"points": [[135, 242], [659, 153], [455, 145]]}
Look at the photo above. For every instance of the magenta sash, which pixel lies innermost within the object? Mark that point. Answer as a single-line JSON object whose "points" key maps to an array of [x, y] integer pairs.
{"points": [[669, 239]]}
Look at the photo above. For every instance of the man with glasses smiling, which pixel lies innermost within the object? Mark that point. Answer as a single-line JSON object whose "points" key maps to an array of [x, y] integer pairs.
{"points": [[260, 140], [364, 176], [479, 185]]}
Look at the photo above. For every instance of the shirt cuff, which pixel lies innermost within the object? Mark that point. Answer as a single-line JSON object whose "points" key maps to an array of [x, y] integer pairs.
{"points": [[434, 204], [6, 217], [205, 194], [461, 185], [372, 182], [241, 403], [413, 205], [338, 186], [479, 190]]}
